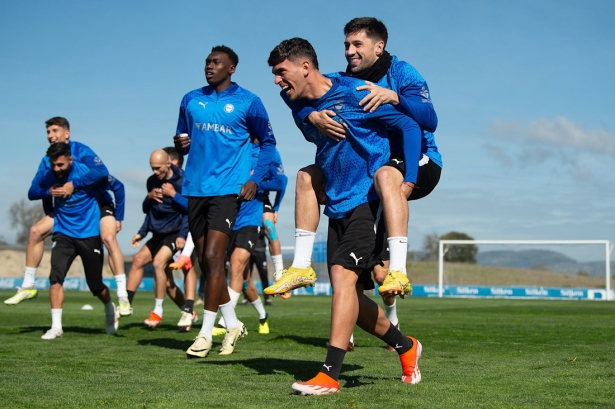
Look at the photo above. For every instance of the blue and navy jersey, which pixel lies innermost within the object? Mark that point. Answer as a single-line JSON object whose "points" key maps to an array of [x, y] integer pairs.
{"points": [[349, 165], [251, 212], [79, 215], [80, 153], [415, 102], [221, 128], [170, 216]]}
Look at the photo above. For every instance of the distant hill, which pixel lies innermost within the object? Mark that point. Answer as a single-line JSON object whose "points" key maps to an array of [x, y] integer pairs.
{"points": [[541, 260]]}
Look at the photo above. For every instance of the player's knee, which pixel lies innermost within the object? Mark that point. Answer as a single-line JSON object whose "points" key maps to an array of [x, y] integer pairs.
{"points": [[387, 177], [159, 266], [36, 234], [380, 274], [110, 241], [139, 260], [304, 180]]}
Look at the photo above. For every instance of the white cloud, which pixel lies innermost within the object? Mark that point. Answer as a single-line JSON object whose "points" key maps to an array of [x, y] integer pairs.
{"points": [[557, 132]]}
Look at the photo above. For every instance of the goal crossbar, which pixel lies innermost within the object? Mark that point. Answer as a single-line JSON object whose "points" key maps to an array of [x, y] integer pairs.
{"points": [[608, 248]]}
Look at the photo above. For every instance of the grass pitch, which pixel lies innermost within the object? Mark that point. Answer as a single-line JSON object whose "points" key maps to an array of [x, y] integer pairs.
{"points": [[476, 354]]}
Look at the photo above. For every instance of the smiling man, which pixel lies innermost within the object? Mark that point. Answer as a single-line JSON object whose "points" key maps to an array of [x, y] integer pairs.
{"points": [[216, 125]]}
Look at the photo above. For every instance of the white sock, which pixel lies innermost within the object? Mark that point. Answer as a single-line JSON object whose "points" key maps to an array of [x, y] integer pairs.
{"points": [[209, 318], [278, 263], [188, 247], [391, 313], [120, 281], [304, 245], [56, 318], [109, 308], [158, 306], [228, 312], [234, 296], [258, 306], [398, 250], [28, 277]]}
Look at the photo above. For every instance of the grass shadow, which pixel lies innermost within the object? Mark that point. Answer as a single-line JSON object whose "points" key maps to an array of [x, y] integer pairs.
{"points": [[78, 330], [312, 341], [299, 369], [170, 343]]}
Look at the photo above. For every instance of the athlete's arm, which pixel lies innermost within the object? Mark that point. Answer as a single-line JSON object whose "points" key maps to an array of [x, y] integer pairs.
{"points": [[182, 144], [184, 229], [322, 120], [144, 227], [260, 128], [169, 190], [48, 206], [97, 169], [38, 187], [410, 134], [119, 194], [278, 185]]}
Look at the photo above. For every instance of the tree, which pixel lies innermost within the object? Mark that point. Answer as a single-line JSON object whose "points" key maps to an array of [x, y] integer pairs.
{"points": [[430, 247], [24, 215], [459, 253]]}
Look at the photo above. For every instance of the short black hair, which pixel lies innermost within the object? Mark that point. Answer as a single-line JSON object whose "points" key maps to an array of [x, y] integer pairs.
{"points": [[174, 154], [374, 28], [226, 50], [59, 121], [56, 150], [292, 50]]}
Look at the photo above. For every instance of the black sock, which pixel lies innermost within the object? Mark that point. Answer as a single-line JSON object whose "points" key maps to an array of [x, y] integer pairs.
{"points": [[131, 296], [188, 306], [264, 320], [333, 362], [397, 340]]}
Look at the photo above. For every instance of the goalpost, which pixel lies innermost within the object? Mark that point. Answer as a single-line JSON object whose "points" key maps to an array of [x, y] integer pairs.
{"points": [[608, 248]]}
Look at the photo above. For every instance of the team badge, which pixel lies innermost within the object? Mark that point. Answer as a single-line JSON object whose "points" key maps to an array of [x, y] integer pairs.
{"points": [[339, 105], [228, 108]]}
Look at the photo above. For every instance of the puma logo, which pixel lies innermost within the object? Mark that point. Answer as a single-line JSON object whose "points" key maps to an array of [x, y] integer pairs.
{"points": [[328, 367], [397, 346], [397, 161], [250, 243], [229, 223], [204, 105], [356, 260], [109, 211], [95, 251]]}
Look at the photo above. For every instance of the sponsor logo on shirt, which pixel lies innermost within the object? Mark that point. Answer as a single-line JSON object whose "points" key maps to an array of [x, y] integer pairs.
{"points": [[214, 127]]}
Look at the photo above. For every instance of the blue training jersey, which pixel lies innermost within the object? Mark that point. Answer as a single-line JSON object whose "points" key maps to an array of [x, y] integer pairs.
{"points": [[275, 181], [221, 128], [79, 215], [251, 212], [349, 165]]}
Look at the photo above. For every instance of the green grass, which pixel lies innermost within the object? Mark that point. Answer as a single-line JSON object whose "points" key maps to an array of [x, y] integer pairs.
{"points": [[476, 354]]}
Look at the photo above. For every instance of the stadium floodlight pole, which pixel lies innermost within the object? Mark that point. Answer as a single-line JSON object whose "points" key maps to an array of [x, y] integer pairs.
{"points": [[607, 244]]}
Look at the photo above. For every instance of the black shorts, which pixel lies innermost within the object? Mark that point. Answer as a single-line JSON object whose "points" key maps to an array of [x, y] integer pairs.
{"points": [[244, 238], [212, 213], [267, 206], [427, 177], [107, 209], [158, 240], [351, 241], [63, 253]]}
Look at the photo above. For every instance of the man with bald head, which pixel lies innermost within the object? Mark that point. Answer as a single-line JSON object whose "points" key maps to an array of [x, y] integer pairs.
{"points": [[166, 218]]}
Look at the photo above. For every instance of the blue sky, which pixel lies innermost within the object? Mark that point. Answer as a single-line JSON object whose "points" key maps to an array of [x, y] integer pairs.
{"points": [[523, 92]]}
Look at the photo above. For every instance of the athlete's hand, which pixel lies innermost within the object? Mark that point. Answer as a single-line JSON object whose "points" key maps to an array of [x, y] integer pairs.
{"points": [[248, 191], [155, 194], [168, 190], [327, 126], [377, 96], [275, 217], [406, 189], [69, 189], [136, 240], [57, 191], [180, 243], [321, 195], [181, 142], [118, 226]]}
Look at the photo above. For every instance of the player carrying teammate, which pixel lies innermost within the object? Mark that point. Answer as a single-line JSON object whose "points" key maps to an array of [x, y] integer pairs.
{"points": [[166, 218], [58, 131], [351, 203], [216, 125], [76, 232]]}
